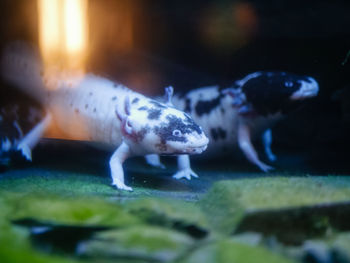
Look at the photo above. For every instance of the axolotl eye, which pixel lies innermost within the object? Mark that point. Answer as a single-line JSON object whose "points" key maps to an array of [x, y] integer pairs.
{"points": [[177, 133]]}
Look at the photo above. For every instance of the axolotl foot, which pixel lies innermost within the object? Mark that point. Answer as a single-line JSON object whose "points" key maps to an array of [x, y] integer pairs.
{"points": [[264, 167], [122, 186], [185, 173]]}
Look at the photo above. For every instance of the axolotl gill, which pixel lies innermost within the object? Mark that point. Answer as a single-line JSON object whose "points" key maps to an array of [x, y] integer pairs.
{"points": [[235, 115], [95, 109]]}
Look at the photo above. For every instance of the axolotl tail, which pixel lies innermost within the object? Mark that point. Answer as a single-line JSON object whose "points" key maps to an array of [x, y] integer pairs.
{"points": [[21, 66]]}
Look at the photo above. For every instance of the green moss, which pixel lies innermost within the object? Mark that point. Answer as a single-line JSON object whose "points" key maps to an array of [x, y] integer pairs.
{"points": [[35, 180], [278, 192], [141, 242], [86, 211], [222, 207], [229, 251], [76, 184], [342, 245], [229, 202], [170, 213], [16, 248]]}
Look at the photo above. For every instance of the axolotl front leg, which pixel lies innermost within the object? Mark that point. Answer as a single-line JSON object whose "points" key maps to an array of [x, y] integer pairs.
{"points": [[123, 152], [116, 166], [183, 164], [183, 160]]}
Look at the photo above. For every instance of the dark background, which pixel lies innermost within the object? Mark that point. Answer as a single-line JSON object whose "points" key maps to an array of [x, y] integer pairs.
{"points": [[150, 44]]}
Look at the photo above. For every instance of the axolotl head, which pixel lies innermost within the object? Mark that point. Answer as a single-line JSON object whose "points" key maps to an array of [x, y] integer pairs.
{"points": [[270, 92], [149, 126]]}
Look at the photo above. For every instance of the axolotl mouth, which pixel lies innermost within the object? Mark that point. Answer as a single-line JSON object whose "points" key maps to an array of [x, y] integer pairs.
{"points": [[188, 150], [176, 149], [308, 89], [195, 150]]}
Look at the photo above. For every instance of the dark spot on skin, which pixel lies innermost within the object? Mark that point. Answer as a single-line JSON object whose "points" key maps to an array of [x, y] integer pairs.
{"points": [[90, 93], [218, 133], [115, 85], [143, 108], [154, 114], [222, 110], [86, 106], [76, 111], [214, 135], [192, 125], [206, 106], [114, 98], [135, 100], [71, 104], [157, 104], [188, 105], [165, 130], [95, 110], [140, 135]]}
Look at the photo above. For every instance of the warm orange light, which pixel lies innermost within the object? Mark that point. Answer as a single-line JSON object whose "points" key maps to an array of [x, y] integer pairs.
{"points": [[63, 33], [50, 32], [75, 30]]}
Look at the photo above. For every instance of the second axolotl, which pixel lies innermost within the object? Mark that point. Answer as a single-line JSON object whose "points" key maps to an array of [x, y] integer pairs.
{"points": [[95, 109], [233, 116]]}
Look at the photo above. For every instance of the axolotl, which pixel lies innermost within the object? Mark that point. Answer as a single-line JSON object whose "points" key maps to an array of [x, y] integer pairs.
{"points": [[235, 115], [95, 109]]}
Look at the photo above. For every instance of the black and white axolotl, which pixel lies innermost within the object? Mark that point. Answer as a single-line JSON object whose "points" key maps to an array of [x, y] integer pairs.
{"points": [[91, 108], [234, 116]]}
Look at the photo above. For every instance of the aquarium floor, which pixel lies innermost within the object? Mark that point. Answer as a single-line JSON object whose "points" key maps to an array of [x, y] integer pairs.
{"points": [[231, 213], [81, 168]]}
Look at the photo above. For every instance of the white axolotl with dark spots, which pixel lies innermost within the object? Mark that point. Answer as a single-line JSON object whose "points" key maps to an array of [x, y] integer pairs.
{"points": [[233, 116], [95, 109]]}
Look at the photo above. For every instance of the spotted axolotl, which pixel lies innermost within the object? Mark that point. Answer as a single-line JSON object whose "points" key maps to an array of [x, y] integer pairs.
{"points": [[234, 116], [95, 109]]}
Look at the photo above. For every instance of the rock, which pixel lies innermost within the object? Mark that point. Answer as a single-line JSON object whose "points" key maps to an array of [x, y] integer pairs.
{"points": [[292, 209], [180, 215], [143, 242], [231, 251]]}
